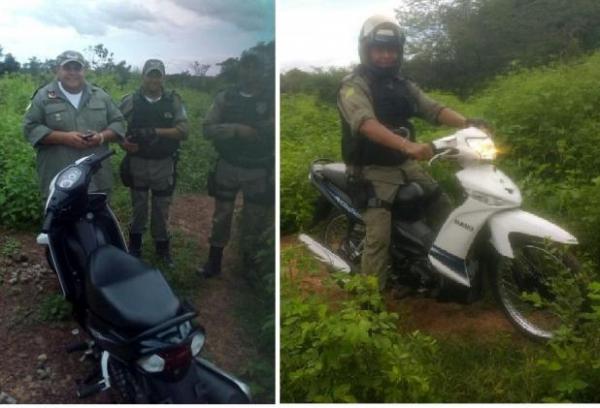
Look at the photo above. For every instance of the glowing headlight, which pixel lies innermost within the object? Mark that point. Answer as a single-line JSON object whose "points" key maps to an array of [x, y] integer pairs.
{"points": [[152, 364], [484, 147], [68, 178]]}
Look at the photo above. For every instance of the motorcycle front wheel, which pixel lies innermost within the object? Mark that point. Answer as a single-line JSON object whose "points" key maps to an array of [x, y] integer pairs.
{"points": [[528, 288]]}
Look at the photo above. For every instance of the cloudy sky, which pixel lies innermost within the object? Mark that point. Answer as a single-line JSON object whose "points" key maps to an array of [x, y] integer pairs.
{"points": [[323, 33], [176, 31]]}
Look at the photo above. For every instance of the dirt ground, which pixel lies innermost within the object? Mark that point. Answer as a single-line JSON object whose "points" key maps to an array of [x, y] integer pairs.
{"points": [[482, 319], [35, 367]]}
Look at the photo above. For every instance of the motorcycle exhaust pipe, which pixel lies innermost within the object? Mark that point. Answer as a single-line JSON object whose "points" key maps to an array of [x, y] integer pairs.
{"points": [[325, 255]]}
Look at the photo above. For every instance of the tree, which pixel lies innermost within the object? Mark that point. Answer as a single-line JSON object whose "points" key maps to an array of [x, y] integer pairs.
{"points": [[459, 44], [99, 57], [34, 66], [198, 69], [9, 65]]}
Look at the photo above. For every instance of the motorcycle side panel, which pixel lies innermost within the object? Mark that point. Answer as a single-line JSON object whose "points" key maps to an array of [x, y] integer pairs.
{"points": [[454, 240], [489, 181], [504, 223], [335, 196]]}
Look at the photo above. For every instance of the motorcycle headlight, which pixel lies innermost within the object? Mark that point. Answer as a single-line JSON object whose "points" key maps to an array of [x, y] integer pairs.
{"points": [[197, 343], [484, 147], [152, 364], [67, 179]]}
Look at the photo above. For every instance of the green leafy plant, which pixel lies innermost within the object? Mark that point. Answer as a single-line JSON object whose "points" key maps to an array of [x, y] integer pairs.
{"points": [[571, 367], [54, 308], [351, 353], [10, 247]]}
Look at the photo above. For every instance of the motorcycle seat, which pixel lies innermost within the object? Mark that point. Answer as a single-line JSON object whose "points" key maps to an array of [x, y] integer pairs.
{"points": [[336, 173], [408, 193], [123, 290]]}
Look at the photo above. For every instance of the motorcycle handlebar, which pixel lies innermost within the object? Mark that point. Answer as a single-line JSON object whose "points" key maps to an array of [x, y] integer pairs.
{"points": [[102, 156], [445, 150]]}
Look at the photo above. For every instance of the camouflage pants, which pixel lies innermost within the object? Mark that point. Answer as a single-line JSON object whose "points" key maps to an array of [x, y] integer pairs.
{"points": [[257, 212], [376, 258], [156, 176]]}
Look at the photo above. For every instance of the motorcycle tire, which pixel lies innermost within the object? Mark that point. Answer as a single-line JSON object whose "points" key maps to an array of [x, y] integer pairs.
{"points": [[125, 384], [527, 291], [344, 239]]}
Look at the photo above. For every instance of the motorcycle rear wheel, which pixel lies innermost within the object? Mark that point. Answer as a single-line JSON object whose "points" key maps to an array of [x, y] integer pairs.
{"points": [[125, 384], [344, 239], [518, 282]]}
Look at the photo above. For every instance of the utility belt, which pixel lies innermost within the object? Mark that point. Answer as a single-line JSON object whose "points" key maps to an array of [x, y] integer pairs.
{"points": [[127, 177], [362, 192]]}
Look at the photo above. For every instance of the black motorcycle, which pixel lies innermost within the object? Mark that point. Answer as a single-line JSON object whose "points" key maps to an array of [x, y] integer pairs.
{"points": [[144, 338]]}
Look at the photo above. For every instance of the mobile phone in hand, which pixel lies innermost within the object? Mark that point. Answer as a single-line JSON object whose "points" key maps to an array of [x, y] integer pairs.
{"points": [[87, 135]]}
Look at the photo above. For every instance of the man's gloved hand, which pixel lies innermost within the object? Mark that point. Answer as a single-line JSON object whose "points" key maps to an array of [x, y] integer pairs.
{"points": [[478, 123], [143, 136]]}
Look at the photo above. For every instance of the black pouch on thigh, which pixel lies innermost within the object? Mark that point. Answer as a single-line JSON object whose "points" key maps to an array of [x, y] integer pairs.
{"points": [[125, 172], [361, 192], [211, 183]]}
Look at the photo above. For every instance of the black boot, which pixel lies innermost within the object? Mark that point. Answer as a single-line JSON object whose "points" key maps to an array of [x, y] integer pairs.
{"points": [[212, 267], [135, 244], [164, 253]]}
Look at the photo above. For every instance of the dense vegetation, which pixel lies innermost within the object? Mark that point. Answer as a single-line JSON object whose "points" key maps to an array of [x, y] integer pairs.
{"points": [[339, 344], [541, 102], [459, 45]]}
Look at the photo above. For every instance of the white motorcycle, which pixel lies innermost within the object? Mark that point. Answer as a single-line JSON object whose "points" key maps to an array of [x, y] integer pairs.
{"points": [[488, 237]]}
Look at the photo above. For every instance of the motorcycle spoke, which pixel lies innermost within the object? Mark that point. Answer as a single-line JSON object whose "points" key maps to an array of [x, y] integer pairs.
{"points": [[531, 273]]}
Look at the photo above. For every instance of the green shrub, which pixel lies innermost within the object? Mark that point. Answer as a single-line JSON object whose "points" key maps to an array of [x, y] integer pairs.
{"points": [[570, 369], [309, 130], [54, 308], [10, 247], [350, 354]]}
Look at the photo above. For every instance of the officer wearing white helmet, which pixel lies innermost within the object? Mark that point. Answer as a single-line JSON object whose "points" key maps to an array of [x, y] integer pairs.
{"points": [[376, 103]]}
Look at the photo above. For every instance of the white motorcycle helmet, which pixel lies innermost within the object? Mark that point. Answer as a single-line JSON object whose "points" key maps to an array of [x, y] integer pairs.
{"points": [[380, 30]]}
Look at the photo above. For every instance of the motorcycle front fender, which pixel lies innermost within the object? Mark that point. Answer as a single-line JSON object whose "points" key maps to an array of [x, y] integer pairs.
{"points": [[517, 221], [204, 383]]}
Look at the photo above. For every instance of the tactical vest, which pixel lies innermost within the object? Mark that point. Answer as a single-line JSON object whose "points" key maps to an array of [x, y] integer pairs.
{"points": [[160, 114], [254, 111], [393, 106]]}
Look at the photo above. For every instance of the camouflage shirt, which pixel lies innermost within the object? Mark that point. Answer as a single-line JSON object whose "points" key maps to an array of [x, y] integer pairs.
{"points": [[50, 110]]}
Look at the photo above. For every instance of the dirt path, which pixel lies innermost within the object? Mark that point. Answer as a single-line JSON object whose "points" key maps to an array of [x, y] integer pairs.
{"points": [[440, 319], [35, 367], [216, 302]]}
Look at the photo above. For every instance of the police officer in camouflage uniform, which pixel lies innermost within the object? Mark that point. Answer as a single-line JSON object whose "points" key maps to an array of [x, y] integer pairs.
{"points": [[375, 103], [157, 122], [240, 123], [68, 119]]}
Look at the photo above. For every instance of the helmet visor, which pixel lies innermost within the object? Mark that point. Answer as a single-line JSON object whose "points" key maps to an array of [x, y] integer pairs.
{"points": [[386, 37]]}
